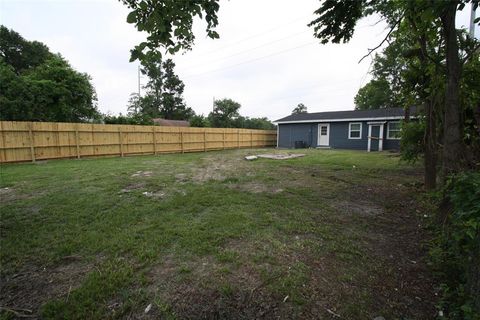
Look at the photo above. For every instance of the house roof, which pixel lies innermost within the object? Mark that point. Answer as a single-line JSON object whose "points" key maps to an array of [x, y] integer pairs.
{"points": [[171, 123], [375, 114]]}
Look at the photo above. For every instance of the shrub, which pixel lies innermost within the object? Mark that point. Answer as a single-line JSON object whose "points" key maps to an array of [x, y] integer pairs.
{"points": [[456, 248], [412, 144]]}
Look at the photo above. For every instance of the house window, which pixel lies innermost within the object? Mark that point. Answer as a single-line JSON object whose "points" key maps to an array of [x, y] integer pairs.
{"points": [[393, 130], [355, 130], [323, 130]]}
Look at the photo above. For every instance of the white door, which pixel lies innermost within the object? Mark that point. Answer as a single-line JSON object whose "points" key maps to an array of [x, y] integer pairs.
{"points": [[323, 134]]}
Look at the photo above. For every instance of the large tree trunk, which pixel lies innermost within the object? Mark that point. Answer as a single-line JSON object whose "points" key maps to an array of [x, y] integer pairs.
{"points": [[453, 150]]}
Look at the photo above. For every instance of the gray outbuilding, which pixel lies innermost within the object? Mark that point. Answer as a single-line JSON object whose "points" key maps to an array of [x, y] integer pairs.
{"points": [[370, 130]]}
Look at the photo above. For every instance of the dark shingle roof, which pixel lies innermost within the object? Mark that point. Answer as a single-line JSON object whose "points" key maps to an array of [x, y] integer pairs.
{"points": [[351, 114], [170, 123]]}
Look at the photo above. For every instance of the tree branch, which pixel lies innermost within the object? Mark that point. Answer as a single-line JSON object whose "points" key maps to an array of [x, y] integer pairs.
{"points": [[370, 51], [470, 54], [422, 42]]}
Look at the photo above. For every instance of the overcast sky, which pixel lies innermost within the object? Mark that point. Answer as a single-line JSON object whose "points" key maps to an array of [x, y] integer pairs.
{"points": [[266, 57]]}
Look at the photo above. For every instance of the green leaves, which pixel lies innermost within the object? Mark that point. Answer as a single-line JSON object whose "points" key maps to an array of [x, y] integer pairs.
{"points": [[169, 24], [224, 113], [337, 20], [375, 95], [36, 85], [456, 250], [134, 55], [132, 17]]}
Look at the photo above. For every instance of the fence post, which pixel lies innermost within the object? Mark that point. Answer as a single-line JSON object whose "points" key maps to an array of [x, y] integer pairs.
{"points": [[32, 143], [238, 138], [181, 139], [120, 140], [77, 141], [251, 139], [205, 140], [154, 141], [223, 139]]}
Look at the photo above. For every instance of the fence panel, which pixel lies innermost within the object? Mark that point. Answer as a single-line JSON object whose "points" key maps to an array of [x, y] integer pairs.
{"points": [[31, 141]]}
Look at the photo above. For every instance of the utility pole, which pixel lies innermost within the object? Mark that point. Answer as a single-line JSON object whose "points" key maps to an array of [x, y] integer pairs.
{"points": [[213, 104], [472, 22], [138, 81]]}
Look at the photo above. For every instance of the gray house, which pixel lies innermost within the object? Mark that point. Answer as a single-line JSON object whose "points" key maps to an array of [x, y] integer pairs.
{"points": [[370, 130]]}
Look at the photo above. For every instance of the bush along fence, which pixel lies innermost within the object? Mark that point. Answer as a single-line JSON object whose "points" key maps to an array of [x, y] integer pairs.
{"points": [[31, 141]]}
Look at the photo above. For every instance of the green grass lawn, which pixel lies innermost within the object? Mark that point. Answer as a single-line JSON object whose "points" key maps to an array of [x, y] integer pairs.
{"points": [[210, 235]]}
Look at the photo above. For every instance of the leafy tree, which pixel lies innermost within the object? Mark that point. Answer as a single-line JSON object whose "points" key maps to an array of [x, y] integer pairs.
{"points": [[134, 119], [164, 92], [173, 105], [199, 121], [53, 91], [224, 114], [134, 105], [374, 95], [36, 85], [253, 123], [300, 108], [20, 53], [169, 24]]}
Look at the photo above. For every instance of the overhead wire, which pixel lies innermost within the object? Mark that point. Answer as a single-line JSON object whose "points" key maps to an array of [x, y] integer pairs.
{"points": [[248, 50], [248, 61], [251, 37]]}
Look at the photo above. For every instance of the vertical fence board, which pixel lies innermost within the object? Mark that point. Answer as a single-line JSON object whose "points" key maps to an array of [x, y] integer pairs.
{"points": [[32, 143], [120, 139]]}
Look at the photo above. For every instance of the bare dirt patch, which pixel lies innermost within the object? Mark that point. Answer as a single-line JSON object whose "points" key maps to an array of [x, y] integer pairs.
{"points": [[157, 194], [217, 169], [207, 292], [397, 243], [10, 194], [133, 187], [181, 178], [7, 194], [142, 174], [359, 208], [32, 286], [255, 187], [281, 156]]}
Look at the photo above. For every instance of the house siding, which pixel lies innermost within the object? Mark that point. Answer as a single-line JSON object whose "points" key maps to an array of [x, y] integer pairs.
{"points": [[338, 138], [289, 133]]}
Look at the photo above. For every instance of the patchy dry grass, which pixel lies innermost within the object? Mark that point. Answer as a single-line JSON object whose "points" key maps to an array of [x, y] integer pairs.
{"points": [[214, 236]]}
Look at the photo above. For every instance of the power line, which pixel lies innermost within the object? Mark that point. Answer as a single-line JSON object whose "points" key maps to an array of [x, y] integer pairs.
{"points": [[253, 36], [249, 61], [248, 50]]}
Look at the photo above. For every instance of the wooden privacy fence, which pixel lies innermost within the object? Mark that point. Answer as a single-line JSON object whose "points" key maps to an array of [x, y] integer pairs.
{"points": [[30, 141]]}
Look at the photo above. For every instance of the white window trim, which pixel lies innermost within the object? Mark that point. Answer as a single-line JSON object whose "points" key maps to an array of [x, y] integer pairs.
{"points": [[388, 131], [350, 131]]}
